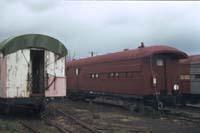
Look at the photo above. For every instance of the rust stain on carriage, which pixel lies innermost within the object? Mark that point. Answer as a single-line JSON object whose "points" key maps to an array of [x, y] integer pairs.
{"points": [[16, 73]]}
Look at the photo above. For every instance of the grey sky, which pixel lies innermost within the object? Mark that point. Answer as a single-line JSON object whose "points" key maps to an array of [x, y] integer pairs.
{"points": [[105, 27]]}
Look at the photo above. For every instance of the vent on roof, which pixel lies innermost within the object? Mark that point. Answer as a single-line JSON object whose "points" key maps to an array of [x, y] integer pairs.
{"points": [[142, 45], [126, 49]]}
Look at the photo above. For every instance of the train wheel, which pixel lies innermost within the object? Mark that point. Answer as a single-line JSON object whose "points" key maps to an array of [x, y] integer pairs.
{"points": [[160, 105]]}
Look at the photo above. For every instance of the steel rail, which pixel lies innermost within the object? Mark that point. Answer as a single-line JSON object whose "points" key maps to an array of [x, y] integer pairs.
{"points": [[92, 129]]}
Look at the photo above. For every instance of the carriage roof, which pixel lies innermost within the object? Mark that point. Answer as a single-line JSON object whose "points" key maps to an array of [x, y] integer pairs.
{"points": [[130, 54], [27, 41]]}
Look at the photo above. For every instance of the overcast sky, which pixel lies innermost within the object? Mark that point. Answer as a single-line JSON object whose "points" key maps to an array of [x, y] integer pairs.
{"points": [[105, 27]]}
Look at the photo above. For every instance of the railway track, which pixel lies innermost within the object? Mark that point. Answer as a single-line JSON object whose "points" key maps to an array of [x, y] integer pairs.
{"points": [[186, 113], [67, 123], [182, 113], [191, 107], [28, 125]]}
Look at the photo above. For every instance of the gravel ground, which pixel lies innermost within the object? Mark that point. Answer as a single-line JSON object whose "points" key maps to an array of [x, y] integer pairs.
{"points": [[105, 118]]}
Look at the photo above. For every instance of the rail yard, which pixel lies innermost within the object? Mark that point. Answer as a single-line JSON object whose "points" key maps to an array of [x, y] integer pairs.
{"points": [[85, 117], [99, 66], [142, 90]]}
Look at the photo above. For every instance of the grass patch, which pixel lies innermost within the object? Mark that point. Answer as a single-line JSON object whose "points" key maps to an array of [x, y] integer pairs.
{"points": [[8, 126]]}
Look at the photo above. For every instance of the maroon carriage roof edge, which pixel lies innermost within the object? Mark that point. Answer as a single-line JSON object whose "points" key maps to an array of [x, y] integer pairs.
{"points": [[191, 59], [130, 54]]}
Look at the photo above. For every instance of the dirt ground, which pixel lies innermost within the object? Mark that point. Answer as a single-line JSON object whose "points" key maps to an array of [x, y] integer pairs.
{"points": [[105, 118]]}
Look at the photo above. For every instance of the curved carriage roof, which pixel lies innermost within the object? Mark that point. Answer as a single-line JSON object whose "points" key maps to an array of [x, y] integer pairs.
{"points": [[16, 43], [130, 54], [191, 59]]}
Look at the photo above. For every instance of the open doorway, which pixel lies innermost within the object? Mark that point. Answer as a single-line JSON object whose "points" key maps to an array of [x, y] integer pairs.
{"points": [[37, 63]]}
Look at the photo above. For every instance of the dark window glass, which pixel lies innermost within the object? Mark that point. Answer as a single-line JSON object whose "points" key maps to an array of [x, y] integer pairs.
{"points": [[197, 76]]}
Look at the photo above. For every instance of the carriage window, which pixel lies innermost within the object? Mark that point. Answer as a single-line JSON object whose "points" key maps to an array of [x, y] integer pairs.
{"points": [[116, 74], [129, 75], [77, 71], [159, 62], [197, 76], [111, 74], [185, 77], [96, 75], [92, 75]]}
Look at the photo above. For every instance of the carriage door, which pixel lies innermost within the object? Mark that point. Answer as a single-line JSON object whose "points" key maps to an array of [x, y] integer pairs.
{"points": [[37, 69], [160, 72]]}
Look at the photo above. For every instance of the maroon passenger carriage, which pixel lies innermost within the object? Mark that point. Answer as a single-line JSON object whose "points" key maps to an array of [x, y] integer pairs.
{"points": [[144, 74], [190, 79]]}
